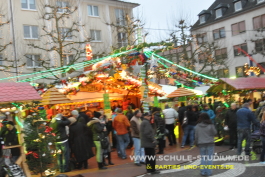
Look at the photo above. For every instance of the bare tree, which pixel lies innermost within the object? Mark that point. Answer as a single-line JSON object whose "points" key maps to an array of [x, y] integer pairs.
{"points": [[59, 34], [195, 52]]}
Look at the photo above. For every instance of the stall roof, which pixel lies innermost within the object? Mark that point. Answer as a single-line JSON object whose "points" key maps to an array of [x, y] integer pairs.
{"points": [[246, 83], [249, 83], [167, 89], [180, 92], [17, 92], [53, 96]]}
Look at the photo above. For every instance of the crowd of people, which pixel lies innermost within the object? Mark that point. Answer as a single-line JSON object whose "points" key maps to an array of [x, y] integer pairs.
{"points": [[84, 134]]}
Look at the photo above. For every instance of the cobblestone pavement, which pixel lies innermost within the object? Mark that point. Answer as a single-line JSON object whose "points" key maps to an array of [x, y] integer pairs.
{"points": [[249, 167]]}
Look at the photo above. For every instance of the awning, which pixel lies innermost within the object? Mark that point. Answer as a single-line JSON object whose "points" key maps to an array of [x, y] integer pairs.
{"points": [[167, 89], [180, 92], [249, 83]]}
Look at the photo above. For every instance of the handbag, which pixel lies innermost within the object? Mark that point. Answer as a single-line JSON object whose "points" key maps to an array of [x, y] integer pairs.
{"points": [[185, 120], [104, 142]]}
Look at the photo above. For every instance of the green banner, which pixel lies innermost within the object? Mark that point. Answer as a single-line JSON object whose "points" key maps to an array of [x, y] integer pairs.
{"points": [[106, 101]]}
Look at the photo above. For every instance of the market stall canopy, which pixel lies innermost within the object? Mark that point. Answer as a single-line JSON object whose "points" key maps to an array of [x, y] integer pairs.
{"points": [[249, 83], [53, 96], [180, 92], [18, 92]]}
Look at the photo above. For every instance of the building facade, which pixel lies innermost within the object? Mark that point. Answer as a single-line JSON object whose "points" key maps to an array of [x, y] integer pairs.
{"points": [[27, 29], [233, 24]]}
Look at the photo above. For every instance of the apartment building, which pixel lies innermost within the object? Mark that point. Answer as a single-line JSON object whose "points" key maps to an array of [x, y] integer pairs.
{"points": [[24, 24], [233, 24]]}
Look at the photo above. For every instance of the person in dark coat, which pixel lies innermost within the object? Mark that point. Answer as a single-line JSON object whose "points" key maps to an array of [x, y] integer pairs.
{"points": [[58, 125], [148, 142], [160, 127], [97, 128], [189, 129], [78, 143], [181, 112], [9, 133]]}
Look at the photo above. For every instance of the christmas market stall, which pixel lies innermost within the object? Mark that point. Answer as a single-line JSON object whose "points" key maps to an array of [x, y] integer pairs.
{"points": [[14, 98], [238, 90]]}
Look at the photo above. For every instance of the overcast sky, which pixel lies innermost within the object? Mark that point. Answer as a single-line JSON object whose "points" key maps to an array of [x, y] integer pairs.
{"points": [[161, 14]]}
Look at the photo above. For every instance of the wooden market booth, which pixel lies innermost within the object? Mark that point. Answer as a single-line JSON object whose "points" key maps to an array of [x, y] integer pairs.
{"points": [[11, 95], [239, 88]]}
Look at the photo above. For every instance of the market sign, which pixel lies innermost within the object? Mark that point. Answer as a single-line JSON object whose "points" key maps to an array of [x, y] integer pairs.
{"points": [[91, 88]]}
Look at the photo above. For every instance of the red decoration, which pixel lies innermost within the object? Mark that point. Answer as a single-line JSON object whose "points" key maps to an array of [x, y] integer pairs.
{"points": [[48, 129], [35, 155]]}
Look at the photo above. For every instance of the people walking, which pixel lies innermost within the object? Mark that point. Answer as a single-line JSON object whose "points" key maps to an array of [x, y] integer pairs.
{"points": [[148, 142], [192, 118], [210, 112], [262, 138], [58, 125], [135, 132], [170, 116], [231, 123], [97, 128], [181, 112], [244, 119], [121, 125], [204, 139], [78, 143]]}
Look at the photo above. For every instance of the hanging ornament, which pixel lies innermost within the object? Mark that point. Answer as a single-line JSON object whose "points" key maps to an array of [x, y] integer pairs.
{"points": [[153, 62], [48, 129], [136, 68], [49, 143], [37, 140], [43, 155], [171, 81]]}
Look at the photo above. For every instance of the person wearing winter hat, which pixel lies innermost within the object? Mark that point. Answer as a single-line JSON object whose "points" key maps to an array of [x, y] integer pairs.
{"points": [[9, 134], [97, 128]]}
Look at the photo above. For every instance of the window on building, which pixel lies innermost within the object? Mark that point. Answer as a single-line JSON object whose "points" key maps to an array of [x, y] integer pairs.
{"points": [[95, 35], [202, 57], [238, 6], [202, 38], [221, 54], [122, 40], [93, 11], [259, 22], [28, 4], [240, 71], [63, 7], [33, 61], [223, 73], [218, 13], [202, 19], [68, 59], [260, 45], [260, 1], [219, 33], [66, 34], [120, 17], [238, 28], [1, 60], [31, 32], [242, 46]]}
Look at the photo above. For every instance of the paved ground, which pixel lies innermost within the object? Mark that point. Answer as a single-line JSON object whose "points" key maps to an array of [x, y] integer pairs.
{"points": [[126, 168], [248, 167]]}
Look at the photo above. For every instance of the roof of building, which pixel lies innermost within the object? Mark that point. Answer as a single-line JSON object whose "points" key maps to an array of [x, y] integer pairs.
{"points": [[136, 4], [249, 5], [249, 83], [17, 92]]}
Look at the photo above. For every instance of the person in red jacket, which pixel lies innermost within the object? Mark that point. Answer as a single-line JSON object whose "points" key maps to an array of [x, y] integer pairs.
{"points": [[121, 125]]}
